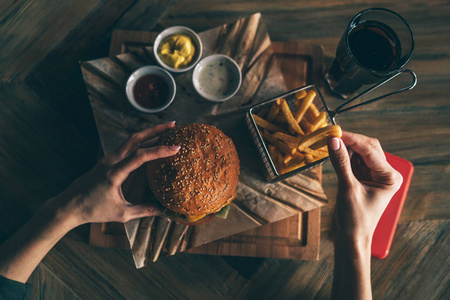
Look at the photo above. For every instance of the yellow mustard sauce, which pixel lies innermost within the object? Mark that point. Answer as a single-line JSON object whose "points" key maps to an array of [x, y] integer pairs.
{"points": [[177, 51]]}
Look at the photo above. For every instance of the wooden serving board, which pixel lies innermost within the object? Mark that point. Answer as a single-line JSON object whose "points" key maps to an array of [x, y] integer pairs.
{"points": [[296, 237]]}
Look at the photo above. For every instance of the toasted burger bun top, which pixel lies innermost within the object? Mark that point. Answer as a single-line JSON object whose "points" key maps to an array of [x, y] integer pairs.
{"points": [[202, 177]]}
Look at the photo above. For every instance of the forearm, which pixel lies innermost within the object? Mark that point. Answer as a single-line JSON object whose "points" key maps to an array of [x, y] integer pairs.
{"points": [[352, 270], [22, 252]]}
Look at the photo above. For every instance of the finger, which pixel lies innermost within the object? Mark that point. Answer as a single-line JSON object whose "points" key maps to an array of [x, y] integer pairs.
{"points": [[136, 139], [140, 156], [141, 211], [373, 156], [340, 160], [150, 142], [368, 148]]}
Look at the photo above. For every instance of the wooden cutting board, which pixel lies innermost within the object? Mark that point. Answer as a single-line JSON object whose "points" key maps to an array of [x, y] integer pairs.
{"points": [[296, 237]]}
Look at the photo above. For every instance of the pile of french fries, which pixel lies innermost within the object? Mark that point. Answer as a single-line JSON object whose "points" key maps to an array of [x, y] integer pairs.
{"points": [[295, 138]]}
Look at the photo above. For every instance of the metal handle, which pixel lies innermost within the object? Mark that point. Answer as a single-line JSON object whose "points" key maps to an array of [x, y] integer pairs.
{"points": [[342, 107]]}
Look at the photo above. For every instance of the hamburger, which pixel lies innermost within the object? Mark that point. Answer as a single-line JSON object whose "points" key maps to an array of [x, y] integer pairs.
{"points": [[201, 179]]}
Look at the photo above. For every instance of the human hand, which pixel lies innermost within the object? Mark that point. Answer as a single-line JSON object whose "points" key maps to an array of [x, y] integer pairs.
{"points": [[366, 185], [97, 196]]}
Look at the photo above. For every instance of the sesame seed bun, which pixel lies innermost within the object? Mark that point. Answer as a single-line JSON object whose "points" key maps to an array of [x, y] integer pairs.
{"points": [[202, 177]]}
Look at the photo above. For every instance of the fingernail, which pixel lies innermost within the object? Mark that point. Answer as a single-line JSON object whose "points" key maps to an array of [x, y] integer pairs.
{"points": [[174, 148], [335, 144], [171, 122]]}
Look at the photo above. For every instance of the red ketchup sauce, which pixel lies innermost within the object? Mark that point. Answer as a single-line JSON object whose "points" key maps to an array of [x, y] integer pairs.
{"points": [[151, 91]]}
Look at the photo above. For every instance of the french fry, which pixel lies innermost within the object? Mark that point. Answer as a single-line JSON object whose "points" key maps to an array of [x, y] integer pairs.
{"points": [[309, 158], [279, 162], [299, 155], [280, 119], [287, 158], [324, 149], [320, 145], [314, 109], [309, 115], [264, 124], [273, 112], [304, 105], [289, 118], [272, 149], [299, 95], [263, 113], [288, 139], [319, 121], [293, 165], [312, 113], [316, 153], [307, 127], [277, 157], [273, 154], [283, 147], [319, 137]]}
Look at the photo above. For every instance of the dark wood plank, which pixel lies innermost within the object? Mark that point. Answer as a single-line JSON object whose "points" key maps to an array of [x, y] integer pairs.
{"points": [[419, 253], [91, 33], [56, 76], [101, 236], [50, 286], [32, 29], [409, 260], [41, 153], [111, 274]]}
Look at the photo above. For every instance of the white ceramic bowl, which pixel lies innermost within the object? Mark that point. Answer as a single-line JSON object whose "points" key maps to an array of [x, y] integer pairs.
{"points": [[217, 78], [151, 70], [181, 30]]}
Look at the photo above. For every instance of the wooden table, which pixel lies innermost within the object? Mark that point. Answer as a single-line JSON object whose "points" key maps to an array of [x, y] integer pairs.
{"points": [[48, 138]]}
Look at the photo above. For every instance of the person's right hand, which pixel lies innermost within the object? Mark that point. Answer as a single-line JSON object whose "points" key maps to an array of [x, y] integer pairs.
{"points": [[366, 185]]}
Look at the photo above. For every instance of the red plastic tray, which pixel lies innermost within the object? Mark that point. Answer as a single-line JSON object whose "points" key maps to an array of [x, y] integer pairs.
{"points": [[385, 230]]}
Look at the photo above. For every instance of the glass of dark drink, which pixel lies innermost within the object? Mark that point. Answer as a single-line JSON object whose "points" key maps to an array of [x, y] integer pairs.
{"points": [[376, 45]]}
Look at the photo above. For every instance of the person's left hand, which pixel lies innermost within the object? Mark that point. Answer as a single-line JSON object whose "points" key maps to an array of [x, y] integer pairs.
{"points": [[97, 196]]}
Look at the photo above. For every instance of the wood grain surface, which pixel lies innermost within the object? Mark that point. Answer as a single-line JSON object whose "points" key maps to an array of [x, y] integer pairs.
{"points": [[48, 138]]}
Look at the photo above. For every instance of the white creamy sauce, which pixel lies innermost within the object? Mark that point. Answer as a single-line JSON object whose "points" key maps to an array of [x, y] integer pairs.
{"points": [[216, 78]]}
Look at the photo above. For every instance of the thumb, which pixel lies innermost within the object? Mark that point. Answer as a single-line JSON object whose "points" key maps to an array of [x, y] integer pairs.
{"points": [[141, 156], [340, 159], [143, 210]]}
